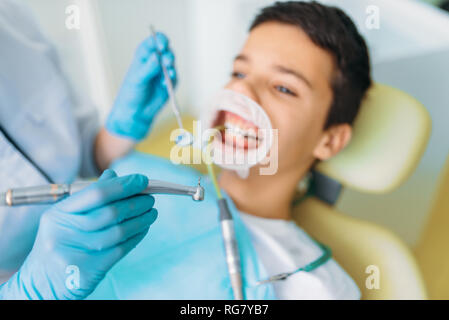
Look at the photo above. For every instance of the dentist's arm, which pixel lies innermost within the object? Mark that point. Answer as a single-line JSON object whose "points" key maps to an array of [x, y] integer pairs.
{"points": [[142, 95], [80, 238]]}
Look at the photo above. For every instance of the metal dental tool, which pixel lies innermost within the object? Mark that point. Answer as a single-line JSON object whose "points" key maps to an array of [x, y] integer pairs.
{"points": [[51, 193], [229, 239], [185, 138], [231, 249]]}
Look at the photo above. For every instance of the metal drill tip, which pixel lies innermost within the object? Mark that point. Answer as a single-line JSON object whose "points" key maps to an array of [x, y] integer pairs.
{"points": [[199, 194]]}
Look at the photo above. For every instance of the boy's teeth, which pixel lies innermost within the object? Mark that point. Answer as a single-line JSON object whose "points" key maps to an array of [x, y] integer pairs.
{"points": [[237, 121], [239, 131], [236, 130]]}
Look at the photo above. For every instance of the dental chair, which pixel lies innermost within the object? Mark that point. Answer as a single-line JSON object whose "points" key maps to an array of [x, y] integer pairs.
{"points": [[389, 138], [431, 250]]}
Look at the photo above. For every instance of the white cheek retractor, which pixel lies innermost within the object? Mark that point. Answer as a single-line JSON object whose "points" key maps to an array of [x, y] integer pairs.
{"points": [[226, 155]]}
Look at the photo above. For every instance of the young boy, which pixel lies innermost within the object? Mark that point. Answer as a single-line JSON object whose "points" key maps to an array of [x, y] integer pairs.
{"points": [[308, 67]]}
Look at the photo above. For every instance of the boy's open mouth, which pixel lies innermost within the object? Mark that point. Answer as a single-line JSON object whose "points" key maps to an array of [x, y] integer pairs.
{"points": [[236, 131]]}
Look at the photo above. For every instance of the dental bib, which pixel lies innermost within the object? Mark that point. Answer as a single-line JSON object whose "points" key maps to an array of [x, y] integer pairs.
{"points": [[225, 155], [182, 256]]}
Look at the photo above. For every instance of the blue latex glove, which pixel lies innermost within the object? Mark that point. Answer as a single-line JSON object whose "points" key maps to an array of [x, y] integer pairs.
{"points": [[143, 92], [188, 261], [80, 238]]}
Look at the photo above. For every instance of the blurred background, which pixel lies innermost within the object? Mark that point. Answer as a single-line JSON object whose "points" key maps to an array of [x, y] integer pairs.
{"points": [[409, 50]]}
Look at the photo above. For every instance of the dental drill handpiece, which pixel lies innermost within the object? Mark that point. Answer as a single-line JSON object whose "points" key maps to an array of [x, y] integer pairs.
{"points": [[51, 193], [231, 249]]}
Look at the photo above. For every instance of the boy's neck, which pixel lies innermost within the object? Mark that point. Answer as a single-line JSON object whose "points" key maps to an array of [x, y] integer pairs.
{"points": [[267, 196]]}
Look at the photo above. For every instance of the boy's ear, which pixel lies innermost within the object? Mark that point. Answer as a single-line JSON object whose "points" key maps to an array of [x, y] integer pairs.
{"points": [[333, 141]]}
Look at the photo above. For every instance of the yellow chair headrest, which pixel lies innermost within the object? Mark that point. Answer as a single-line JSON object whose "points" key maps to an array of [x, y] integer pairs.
{"points": [[390, 134]]}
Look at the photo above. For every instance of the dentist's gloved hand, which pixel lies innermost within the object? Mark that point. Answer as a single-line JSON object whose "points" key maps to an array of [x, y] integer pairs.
{"points": [[80, 238], [143, 92]]}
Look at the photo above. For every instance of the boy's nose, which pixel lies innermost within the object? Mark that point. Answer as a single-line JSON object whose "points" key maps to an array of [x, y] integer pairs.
{"points": [[245, 88]]}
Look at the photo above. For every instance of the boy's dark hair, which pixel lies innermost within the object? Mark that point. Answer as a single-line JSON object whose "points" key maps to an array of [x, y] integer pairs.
{"points": [[330, 29]]}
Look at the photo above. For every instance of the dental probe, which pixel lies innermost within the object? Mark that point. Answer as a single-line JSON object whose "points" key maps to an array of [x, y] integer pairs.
{"points": [[186, 138], [51, 193]]}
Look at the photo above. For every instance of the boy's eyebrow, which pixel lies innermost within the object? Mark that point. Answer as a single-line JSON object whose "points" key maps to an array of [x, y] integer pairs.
{"points": [[241, 57], [297, 74]]}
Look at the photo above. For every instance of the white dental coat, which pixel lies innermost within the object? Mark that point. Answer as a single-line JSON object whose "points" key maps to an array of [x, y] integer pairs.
{"points": [[39, 113]]}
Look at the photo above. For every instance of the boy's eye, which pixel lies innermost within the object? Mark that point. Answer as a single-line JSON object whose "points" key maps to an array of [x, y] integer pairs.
{"points": [[238, 75], [285, 90]]}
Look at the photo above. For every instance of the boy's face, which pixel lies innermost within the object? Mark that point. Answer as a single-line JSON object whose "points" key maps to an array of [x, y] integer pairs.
{"points": [[282, 70]]}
